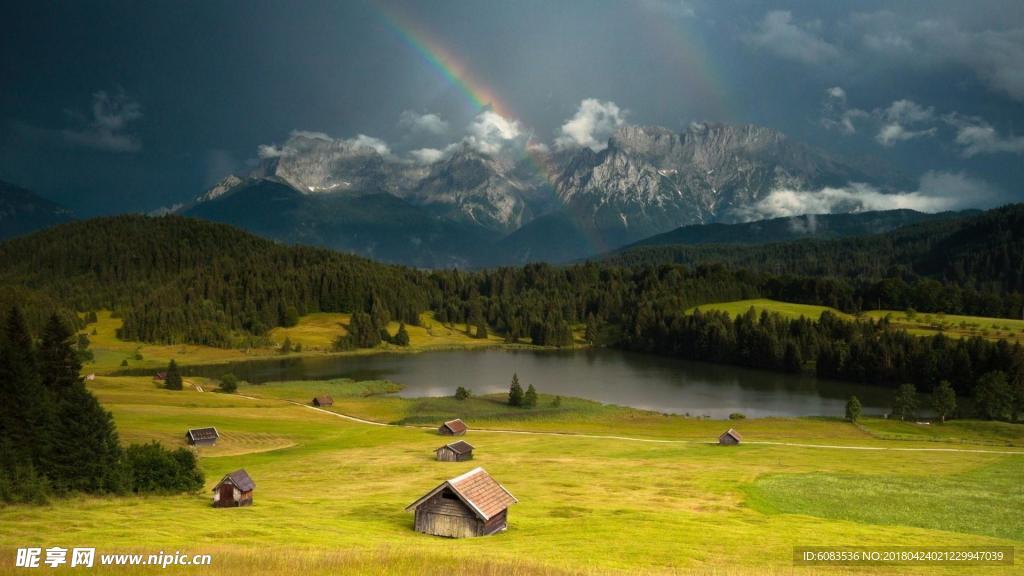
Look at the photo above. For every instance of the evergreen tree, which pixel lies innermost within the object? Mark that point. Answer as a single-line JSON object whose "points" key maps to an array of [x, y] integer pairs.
{"points": [[1017, 390], [173, 381], [993, 397], [944, 400], [89, 458], [402, 336], [530, 398], [792, 360], [853, 409], [591, 330], [481, 329], [515, 392], [286, 346], [905, 402], [26, 417]]}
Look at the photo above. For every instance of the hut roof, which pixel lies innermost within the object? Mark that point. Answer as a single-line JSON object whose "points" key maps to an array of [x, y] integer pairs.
{"points": [[240, 478], [324, 400], [200, 434], [460, 447], [734, 434], [457, 426], [477, 490]]}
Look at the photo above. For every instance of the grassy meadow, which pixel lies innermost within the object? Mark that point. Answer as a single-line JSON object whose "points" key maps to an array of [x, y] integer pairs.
{"points": [[315, 333], [922, 324], [330, 492]]}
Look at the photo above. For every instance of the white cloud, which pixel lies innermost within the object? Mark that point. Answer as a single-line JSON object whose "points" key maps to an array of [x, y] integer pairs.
{"points": [[362, 141], [300, 141], [993, 55], [591, 126], [937, 191], [107, 127], [836, 115], [893, 132], [491, 132], [427, 155], [428, 123], [779, 34], [976, 136]]}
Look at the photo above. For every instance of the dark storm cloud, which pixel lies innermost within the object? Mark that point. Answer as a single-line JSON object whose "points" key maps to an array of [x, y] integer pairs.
{"points": [[935, 87]]}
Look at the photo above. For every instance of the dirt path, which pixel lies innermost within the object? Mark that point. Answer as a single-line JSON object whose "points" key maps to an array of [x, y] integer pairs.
{"points": [[658, 440]]}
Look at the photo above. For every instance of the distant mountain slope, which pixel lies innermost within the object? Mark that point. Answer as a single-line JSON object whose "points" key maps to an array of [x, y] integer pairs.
{"points": [[378, 225], [23, 211], [551, 206], [821, 226], [978, 251]]}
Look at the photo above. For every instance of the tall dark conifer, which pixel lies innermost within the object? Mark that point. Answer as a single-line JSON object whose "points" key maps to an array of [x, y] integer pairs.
{"points": [[26, 422], [89, 456]]}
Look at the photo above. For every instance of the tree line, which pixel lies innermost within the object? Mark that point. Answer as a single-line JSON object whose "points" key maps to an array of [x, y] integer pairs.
{"points": [[55, 438]]}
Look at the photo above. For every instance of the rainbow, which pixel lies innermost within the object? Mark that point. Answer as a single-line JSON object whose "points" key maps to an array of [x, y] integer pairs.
{"points": [[690, 60], [453, 69]]}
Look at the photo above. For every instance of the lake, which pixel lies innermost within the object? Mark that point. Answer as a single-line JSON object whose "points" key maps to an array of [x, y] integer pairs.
{"points": [[611, 376]]}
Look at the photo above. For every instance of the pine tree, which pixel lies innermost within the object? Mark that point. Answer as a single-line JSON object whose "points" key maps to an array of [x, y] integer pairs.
{"points": [[905, 402], [286, 346], [402, 336], [530, 398], [26, 415], [591, 331], [481, 329], [173, 381], [853, 409], [515, 392], [944, 400], [993, 397]]}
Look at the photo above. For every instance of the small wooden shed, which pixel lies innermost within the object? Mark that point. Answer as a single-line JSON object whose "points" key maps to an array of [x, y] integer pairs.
{"points": [[453, 428], [730, 438], [160, 376], [324, 400], [202, 436], [234, 490], [472, 504], [455, 452]]}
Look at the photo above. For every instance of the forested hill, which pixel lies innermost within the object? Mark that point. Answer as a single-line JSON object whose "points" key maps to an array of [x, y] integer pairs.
{"points": [[820, 226], [177, 279], [983, 252]]}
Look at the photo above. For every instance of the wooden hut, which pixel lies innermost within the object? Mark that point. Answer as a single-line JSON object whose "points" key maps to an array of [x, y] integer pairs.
{"points": [[455, 452], [233, 490], [202, 436], [160, 376], [321, 401], [730, 438], [472, 504], [453, 428]]}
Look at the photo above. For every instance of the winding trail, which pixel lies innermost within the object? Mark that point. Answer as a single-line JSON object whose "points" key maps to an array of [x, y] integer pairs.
{"points": [[658, 440]]}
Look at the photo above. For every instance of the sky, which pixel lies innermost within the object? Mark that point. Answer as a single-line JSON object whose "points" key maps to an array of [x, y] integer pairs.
{"points": [[112, 106]]}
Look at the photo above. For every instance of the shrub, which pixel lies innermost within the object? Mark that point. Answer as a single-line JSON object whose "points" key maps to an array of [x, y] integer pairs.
{"points": [[154, 469], [228, 383], [737, 416]]}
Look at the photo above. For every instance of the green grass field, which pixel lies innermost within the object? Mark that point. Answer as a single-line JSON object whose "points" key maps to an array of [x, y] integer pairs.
{"points": [[922, 324], [330, 492], [315, 332]]}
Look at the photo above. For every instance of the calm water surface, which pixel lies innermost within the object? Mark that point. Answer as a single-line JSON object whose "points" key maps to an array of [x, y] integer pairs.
{"points": [[610, 376]]}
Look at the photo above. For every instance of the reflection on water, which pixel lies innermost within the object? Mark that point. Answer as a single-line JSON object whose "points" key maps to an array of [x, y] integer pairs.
{"points": [[611, 376]]}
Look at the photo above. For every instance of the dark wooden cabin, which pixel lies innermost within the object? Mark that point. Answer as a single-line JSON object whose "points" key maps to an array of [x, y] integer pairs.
{"points": [[730, 438], [472, 504], [453, 428], [455, 452], [202, 436], [234, 490], [324, 400]]}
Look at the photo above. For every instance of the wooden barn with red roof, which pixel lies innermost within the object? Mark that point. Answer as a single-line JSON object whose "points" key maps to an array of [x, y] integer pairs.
{"points": [[473, 504], [453, 428]]}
